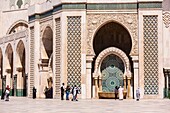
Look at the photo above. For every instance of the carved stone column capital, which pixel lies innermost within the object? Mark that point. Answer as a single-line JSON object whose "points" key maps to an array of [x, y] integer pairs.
{"points": [[8, 70], [19, 69]]}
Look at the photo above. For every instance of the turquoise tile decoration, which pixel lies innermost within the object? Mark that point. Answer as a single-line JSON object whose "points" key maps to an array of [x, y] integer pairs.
{"points": [[112, 69]]}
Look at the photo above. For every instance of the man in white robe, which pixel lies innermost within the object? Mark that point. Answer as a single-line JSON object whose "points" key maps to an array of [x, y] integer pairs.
{"points": [[121, 93]]}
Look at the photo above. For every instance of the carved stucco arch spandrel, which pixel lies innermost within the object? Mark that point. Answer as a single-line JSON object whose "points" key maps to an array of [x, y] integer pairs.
{"points": [[95, 21]]}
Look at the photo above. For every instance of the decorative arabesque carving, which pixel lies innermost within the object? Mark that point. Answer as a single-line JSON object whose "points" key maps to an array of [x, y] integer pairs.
{"points": [[166, 19], [95, 21]]}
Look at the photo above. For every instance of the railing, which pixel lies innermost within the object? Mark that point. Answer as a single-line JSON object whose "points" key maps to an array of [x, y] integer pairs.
{"points": [[15, 36]]}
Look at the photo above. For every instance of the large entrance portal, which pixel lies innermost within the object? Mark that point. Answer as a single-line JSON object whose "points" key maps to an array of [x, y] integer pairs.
{"points": [[112, 63]]}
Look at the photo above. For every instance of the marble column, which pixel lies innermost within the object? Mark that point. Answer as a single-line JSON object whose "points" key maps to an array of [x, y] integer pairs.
{"points": [[167, 85], [20, 90], [89, 59], [96, 86], [36, 56], [100, 84], [129, 87], [135, 60], [124, 79], [9, 79]]}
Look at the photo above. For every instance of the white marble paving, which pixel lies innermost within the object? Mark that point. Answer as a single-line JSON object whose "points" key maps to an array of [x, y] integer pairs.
{"points": [[28, 105]]}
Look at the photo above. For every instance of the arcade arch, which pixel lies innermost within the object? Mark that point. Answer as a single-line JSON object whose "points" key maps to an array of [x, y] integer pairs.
{"points": [[8, 66], [21, 79]]}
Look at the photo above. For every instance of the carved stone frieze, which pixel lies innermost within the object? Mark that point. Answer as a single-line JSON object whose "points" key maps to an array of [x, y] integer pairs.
{"points": [[166, 19], [95, 21]]}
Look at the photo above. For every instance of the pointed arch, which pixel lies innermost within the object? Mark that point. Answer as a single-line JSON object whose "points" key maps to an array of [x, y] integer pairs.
{"points": [[9, 56], [21, 53], [47, 43], [17, 26]]}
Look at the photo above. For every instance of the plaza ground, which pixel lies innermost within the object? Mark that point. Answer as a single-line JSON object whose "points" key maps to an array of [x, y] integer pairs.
{"points": [[29, 105]]}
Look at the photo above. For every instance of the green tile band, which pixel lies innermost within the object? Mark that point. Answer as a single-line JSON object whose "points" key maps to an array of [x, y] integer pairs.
{"points": [[111, 6], [150, 5], [97, 6], [0, 92], [20, 92]]}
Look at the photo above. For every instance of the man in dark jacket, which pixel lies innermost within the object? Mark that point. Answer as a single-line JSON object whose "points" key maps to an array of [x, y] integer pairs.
{"points": [[62, 91]]}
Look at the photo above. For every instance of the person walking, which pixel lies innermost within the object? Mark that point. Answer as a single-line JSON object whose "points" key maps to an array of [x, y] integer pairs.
{"points": [[34, 92], [74, 93], [67, 92], [137, 94], [7, 92], [116, 92], [62, 91], [120, 93]]}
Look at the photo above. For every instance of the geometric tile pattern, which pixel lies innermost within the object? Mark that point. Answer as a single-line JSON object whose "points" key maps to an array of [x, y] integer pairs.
{"points": [[112, 73], [31, 59], [57, 56], [74, 51], [150, 31]]}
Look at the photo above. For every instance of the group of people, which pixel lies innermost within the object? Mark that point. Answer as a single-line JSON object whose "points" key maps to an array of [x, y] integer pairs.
{"points": [[119, 91], [6, 93], [73, 90]]}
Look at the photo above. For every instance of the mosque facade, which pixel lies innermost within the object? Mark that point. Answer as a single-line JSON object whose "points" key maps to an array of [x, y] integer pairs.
{"points": [[93, 44]]}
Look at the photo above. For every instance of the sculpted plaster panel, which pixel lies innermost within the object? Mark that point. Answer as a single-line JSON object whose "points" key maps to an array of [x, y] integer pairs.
{"points": [[166, 19], [95, 21]]}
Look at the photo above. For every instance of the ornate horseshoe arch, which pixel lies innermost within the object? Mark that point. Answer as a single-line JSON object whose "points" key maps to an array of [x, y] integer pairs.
{"points": [[129, 21], [106, 52]]}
